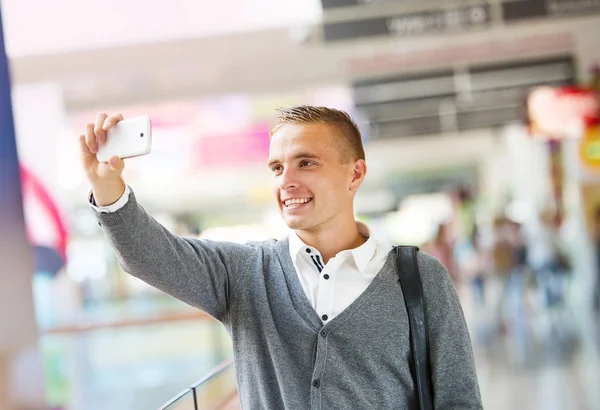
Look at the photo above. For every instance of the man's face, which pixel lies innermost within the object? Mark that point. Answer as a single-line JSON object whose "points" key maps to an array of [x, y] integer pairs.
{"points": [[312, 186]]}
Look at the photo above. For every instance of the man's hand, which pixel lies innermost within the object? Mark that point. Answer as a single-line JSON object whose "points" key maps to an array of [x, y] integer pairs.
{"points": [[105, 178]]}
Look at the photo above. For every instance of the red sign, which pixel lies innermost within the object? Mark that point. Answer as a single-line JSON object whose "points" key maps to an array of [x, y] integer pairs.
{"points": [[557, 113]]}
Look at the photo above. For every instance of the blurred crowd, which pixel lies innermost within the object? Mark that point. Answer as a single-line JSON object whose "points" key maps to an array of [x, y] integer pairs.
{"points": [[515, 275]]}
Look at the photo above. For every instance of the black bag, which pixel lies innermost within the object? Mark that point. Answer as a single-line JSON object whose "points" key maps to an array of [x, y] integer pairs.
{"points": [[410, 280]]}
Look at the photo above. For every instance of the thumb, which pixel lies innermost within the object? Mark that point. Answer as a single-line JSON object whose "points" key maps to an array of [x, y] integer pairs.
{"points": [[116, 164]]}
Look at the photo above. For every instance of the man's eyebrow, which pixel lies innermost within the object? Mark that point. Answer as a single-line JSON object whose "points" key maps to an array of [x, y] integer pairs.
{"points": [[300, 155], [305, 155]]}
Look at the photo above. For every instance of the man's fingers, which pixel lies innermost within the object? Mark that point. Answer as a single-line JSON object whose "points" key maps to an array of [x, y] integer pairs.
{"points": [[90, 138], [88, 158], [116, 164], [112, 120], [83, 145], [98, 130]]}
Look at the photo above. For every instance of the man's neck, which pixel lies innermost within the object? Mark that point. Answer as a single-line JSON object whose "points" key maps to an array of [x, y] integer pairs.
{"points": [[330, 241]]}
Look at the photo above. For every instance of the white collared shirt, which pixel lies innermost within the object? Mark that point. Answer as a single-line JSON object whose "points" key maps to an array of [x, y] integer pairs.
{"points": [[331, 288]]}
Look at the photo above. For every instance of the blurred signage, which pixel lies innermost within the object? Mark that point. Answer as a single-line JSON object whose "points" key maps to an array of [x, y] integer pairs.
{"points": [[241, 148], [450, 100], [438, 18], [414, 24], [528, 9], [557, 43], [589, 148], [332, 4], [556, 113]]}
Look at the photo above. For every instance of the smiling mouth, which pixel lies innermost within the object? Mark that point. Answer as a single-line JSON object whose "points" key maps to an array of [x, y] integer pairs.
{"points": [[296, 202]]}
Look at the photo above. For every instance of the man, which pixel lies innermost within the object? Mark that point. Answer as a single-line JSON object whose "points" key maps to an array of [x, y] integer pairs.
{"points": [[317, 320]]}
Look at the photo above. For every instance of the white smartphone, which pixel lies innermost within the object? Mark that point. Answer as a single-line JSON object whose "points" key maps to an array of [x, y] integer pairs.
{"points": [[128, 138]]}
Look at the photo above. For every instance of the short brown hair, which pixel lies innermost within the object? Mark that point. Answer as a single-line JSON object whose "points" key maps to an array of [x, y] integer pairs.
{"points": [[351, 140]]}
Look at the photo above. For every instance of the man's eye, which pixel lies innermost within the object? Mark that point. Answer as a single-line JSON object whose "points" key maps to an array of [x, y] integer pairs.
{"points": [[306, 163], [276, 168]]}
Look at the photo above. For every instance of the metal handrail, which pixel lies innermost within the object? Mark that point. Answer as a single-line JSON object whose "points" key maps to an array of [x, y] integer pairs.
{"points": [[220, 368], [214, 372], [176, 398]]}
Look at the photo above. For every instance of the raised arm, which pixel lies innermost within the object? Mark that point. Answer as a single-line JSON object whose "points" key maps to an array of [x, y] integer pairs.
{"points": [[201, 273]]}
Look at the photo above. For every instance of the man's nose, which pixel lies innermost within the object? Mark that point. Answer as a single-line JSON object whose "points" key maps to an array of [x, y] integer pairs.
{"points": [[288, 180]]}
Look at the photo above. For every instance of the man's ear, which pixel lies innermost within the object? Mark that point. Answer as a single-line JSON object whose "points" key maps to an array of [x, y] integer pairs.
{"points": [[358, 174]]}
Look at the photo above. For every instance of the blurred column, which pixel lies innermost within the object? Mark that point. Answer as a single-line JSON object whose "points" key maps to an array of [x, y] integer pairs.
{"points": [[529, 162], [21, 375]]}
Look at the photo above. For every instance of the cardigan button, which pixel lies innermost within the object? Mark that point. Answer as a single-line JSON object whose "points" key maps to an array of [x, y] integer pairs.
{"points": [[316, 383]]}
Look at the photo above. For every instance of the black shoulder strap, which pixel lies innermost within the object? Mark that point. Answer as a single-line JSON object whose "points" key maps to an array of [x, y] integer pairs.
{"points": [[410, 280]]}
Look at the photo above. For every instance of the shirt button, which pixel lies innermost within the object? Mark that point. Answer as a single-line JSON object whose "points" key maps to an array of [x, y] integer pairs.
{"points": [[316, 383], [307, 250], [324, 317], [324, 333], [326, 276]]}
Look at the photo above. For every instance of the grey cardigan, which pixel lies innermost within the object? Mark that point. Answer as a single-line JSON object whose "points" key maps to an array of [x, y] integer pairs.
{"points": [[285, 358]]}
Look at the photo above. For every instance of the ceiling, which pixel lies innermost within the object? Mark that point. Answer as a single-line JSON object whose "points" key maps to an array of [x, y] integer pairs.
{"points": [[272, 60]]}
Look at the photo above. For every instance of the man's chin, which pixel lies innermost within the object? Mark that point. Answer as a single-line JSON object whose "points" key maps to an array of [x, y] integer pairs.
{"points": [[295, 223]]}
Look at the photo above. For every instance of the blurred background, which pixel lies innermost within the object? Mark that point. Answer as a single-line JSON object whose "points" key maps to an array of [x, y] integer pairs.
{"points": [[480, 122]]}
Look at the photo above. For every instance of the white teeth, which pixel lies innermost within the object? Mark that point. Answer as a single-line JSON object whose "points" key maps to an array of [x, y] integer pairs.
{"points": [[296, 201]]}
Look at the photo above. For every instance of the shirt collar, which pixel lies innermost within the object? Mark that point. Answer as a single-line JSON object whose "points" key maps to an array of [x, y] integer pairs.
{"points": [[296, 245], [362, 255]]}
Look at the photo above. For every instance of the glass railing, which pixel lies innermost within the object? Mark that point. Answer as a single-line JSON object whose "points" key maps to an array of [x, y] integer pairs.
{"points": [[84, 370], [215, 391]]}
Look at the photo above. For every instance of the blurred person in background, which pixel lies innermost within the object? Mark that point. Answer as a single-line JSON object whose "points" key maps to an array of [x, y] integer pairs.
{"points": [[503, 256], [467, 270], [519, 272], [546, 260], [552, 270], [463, 203], [510, 264], [441, 247], [317, 319], [477, 267]]}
